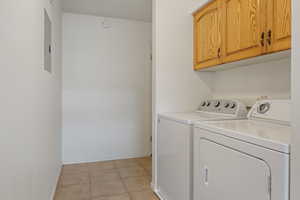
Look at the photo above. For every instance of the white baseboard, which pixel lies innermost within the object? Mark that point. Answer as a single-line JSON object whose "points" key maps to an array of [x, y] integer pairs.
{"points": [[56, 184], [107, 159], [159, 196], [155, 190]]}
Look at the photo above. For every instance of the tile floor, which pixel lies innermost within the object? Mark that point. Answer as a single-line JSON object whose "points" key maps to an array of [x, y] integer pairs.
{"points": [[111, 180]]}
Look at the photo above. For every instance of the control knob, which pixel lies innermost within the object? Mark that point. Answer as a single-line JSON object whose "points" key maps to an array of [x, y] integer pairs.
{"points": [[227, 105], [218, 103]]}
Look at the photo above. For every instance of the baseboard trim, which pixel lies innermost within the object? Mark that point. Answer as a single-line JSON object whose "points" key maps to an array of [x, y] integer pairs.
{"points": [[156, 191], [56, 184], [108, 159]]}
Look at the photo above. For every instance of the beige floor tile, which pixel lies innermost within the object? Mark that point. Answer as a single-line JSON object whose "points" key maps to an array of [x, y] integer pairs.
{"points": [[102, 180], [107, 188], [98, 167], [75, 168], [74, 192], [59, 183], [119, 197], [126, 163], [101, 171], [145, 162], [103, 176], [132, 172], [73, 179], [143, 195], [149, 178], [137, 183], [149, 171], [102, 165], [147, 166]]}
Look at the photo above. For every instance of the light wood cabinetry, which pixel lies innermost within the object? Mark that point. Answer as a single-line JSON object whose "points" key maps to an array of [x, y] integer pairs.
{"points": [[208, 40], [243, 28], [231, 30], [278, 25]]}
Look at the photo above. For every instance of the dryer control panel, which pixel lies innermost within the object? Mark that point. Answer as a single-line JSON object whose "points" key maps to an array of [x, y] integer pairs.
{"points": [[272, 110], [222, 106]]}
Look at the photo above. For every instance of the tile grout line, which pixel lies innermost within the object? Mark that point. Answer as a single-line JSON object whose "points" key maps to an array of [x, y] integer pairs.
{"points": [[58, 182], [145, 169], [140, 165], [121, 179], [90, 183]]}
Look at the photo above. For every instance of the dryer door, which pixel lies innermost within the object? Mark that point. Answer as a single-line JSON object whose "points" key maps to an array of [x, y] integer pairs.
{"points": [[228, 174]]}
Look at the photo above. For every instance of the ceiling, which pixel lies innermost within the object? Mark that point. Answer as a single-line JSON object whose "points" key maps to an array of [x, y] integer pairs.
{"points": [[127, 9]]}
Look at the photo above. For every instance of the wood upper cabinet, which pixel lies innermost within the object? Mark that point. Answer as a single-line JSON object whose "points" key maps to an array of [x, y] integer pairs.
{"points": [[207, 36], [243, 29], [279, 25], [231, 30]]}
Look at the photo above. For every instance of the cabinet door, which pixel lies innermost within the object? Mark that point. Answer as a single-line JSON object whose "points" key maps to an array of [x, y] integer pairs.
{"points": [[279, 25], [244, 24], [207, 35]]}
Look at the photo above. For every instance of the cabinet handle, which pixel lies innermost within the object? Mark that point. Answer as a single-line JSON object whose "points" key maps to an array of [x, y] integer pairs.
{"points": [[262, 39], [269, 39], [219, 52]]}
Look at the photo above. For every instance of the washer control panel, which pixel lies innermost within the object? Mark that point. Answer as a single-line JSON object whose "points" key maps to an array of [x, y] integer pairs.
{"points": [[222, 106]]}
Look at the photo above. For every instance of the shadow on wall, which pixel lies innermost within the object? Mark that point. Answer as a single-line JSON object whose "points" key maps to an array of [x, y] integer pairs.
{"points": [[271, 79]]}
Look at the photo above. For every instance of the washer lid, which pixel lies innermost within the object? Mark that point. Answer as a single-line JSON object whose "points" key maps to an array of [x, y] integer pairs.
{"points": [[269, 135], [191, 117]]}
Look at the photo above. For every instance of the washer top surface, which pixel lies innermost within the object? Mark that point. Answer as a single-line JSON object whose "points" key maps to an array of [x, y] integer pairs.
{"points": [[269, 132], [191, 117]]}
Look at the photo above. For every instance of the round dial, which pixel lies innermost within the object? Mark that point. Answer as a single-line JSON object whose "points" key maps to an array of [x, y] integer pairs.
{"points": [[218, 103], [203, 103], [233, 106], [227, 105], [263, 108], [208, 103]]}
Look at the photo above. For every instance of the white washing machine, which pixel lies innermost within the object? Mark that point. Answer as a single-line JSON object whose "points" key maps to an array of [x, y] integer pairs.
{"points": [[244, 159], [174, 153]]}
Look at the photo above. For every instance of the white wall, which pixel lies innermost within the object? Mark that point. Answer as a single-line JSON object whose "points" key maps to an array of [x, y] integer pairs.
{"points": [[295, 162], [178, 86], [106, 88], [272, 79], [30, 101]]}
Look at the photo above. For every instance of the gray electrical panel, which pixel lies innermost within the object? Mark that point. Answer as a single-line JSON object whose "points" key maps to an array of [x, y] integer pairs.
{"points": [[47, 42]]}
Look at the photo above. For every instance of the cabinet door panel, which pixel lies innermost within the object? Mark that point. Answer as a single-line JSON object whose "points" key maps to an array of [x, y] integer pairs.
{"points": [[279, 25], [207, 36], [243, 22]]}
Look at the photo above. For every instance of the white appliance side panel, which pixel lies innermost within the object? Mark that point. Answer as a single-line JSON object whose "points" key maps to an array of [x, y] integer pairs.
{"points": [[174, 157], [230, 175], [277, 162]]}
